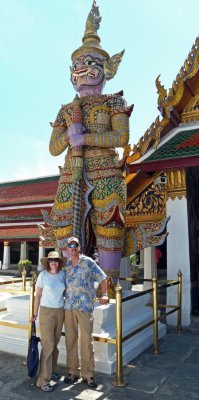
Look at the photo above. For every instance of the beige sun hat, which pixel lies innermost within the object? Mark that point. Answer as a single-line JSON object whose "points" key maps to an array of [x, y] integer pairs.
{"points": [[53, 254]]}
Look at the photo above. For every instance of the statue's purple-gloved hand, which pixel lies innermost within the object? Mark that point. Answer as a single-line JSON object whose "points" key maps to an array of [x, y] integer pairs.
{"points": [[75, 134], [76, 140], [76, 129]]}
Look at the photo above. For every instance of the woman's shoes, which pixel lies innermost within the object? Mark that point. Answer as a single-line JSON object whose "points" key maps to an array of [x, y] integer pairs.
{"points": [[46, 387], [90, 382]]}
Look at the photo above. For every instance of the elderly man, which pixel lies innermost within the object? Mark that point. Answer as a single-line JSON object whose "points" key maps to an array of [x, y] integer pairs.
{"points": [[81, 274]]}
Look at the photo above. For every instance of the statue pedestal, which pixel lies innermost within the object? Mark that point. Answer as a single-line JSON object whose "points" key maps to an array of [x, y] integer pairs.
{"points": [[135, 314]]}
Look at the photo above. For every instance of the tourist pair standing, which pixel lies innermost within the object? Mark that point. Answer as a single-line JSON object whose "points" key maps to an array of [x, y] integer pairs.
{"points": [[72, 289]]}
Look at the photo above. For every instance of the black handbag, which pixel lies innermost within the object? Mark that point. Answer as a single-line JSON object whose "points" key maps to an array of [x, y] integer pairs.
{"points": [[33, 353]]}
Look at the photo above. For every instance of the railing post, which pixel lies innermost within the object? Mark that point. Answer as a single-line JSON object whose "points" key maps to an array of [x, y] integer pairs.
{"points": [[179, 323], [23, 280], [119, 368], [155, 316]]}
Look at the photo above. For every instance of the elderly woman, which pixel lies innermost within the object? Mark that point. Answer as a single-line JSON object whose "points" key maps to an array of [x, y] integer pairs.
{"points": [[49, 301]]}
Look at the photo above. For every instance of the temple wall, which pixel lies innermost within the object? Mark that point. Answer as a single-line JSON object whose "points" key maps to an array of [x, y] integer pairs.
{"points": [[178, 257]]}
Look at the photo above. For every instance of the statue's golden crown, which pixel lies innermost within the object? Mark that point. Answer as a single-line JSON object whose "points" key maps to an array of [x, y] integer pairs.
{"points": [[91, 43], [91, 40]]}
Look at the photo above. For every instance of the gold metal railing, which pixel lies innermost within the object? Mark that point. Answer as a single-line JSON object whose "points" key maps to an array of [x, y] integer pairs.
{"points": [[155, 288], [119, 339]]}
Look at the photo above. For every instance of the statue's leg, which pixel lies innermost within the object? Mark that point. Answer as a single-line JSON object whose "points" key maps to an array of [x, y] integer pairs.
{"points": [[109, 261]]}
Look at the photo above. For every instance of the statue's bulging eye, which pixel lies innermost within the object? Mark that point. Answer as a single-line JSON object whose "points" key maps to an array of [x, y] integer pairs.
{"points": [[90, 63]]}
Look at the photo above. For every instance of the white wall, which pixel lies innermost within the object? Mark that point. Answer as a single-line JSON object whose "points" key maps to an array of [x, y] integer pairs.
{"points": [[178, 257]]}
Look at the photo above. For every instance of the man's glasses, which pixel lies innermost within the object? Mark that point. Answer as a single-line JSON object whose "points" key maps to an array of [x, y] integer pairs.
{"points": [[53, 259], [73, 245]]}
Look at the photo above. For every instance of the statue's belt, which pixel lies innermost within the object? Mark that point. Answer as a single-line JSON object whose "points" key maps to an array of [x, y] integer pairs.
{"points": [[99, 152]]}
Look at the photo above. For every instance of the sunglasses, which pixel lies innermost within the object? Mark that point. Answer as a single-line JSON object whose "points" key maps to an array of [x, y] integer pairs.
{"points": [[53, 259], [73, 245]]}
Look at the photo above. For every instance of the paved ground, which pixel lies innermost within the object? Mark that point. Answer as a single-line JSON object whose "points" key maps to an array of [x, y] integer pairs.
{"points": [[172, 374]]}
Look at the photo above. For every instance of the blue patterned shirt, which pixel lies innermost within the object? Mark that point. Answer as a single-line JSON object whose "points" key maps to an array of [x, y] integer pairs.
{"points": [[80, 290]]}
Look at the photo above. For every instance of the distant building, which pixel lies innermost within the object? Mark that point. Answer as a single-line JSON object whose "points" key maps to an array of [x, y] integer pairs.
{"points": [[20, 212]]}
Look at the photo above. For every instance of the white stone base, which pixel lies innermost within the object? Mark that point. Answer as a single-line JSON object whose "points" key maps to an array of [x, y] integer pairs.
{"points": [[135, 314]]}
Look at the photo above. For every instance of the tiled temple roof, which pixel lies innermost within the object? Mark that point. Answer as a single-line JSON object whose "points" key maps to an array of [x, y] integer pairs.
{"points": [[20, 232], [29, 191], [184, 144], [22, 214]]}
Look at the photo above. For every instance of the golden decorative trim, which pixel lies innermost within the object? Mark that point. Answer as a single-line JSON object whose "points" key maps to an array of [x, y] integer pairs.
{"points": [[108, 232], [130, 177], [142, 187], [103, 203], [151, 135], [167, 101], [62, 206], [176, 184], [191, 112], [148, 206], [68, 119], [65, 231], [188, 71], [98, 109], [140, 219]]}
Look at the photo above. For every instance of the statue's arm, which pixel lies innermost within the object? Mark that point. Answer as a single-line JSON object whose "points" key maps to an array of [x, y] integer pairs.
{"points": [[58, 141], [59, 137]]}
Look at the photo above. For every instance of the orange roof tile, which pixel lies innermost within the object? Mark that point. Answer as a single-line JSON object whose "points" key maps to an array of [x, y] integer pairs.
{"points": [[29, 191], [22, 214], [23, 232], [190, 142]]}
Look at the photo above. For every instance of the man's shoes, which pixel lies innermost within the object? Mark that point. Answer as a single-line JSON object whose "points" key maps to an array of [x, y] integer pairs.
{"points": [[90, 382], [70, 378]]}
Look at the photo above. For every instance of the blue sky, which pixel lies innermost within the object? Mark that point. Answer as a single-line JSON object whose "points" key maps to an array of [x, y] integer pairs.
{"points": [[37, 38]]}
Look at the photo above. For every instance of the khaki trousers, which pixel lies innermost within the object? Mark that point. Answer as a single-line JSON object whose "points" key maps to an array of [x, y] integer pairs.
{"points": [[51, 323], [84, 320]]}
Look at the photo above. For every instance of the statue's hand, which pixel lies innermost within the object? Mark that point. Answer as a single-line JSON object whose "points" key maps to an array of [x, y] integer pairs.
{"points": [[75, 136], [76, 140], [75, 129]]}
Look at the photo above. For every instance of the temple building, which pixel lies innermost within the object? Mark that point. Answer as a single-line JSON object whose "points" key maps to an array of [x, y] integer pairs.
{"points": [[20, 213], [163, 179]]}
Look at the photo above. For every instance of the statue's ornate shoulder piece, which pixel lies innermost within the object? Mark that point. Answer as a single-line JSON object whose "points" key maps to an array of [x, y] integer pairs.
{"points": [[118, 104]]}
